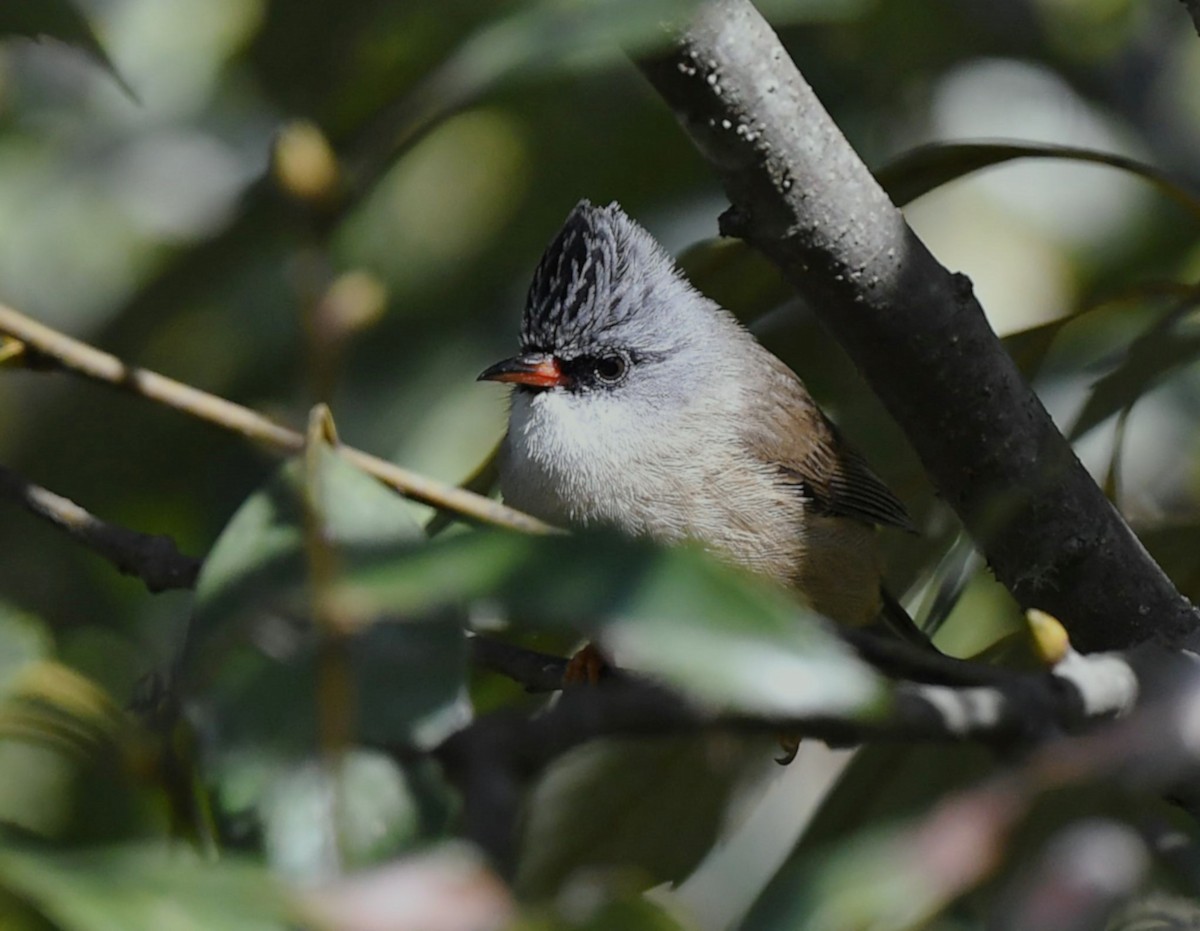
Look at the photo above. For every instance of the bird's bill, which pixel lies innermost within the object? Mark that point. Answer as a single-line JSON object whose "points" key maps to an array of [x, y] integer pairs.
{"points": [[536, 371]]}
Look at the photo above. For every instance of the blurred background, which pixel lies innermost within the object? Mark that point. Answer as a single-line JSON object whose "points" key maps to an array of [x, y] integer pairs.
{"points": [[145, 218], [301, 200]]}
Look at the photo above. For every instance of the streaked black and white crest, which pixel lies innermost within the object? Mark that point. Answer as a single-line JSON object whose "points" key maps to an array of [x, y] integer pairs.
{"points": [[592, 277]]}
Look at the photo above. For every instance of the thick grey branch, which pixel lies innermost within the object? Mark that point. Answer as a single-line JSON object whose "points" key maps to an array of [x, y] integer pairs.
{"points": [[802, 197], [154, 559]]}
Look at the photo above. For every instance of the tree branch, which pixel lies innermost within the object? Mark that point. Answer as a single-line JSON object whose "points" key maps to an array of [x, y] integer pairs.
{"points": [[47, 348], [803, 198], [153, 558], [492, 757], [1193, 8]]}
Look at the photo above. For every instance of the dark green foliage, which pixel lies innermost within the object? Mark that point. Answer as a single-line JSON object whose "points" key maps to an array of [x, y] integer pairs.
{"points": [[213, 759]]}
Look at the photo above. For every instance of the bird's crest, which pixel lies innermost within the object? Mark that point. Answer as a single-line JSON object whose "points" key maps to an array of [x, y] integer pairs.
{"points": [[575, 295]]}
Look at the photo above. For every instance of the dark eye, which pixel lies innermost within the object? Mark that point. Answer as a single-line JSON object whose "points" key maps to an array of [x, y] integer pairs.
{"points": [[610, 368]]}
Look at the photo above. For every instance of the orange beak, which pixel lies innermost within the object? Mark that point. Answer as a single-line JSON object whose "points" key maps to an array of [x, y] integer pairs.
{"points": [[533, 370]]}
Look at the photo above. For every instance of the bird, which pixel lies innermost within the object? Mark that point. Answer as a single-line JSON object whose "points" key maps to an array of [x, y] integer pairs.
{"points": [[641, 405]]}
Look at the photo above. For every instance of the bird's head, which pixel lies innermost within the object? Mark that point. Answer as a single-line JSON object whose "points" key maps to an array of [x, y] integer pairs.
{"points": [[609, 315]]}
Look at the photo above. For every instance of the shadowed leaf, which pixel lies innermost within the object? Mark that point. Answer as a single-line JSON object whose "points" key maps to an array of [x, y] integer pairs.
{"points": [[61, 21], [1163, 349], [920, 171], [649, 809], [724, 637], [148, 886]]}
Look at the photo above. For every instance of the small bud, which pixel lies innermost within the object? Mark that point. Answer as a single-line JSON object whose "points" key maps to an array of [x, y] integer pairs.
{"points": [[321, 428], [353, 302], [1050, 640], [304, 164]]}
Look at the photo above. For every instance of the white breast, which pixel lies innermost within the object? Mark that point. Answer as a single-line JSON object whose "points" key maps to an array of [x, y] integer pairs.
{"points": [[587, 460]]}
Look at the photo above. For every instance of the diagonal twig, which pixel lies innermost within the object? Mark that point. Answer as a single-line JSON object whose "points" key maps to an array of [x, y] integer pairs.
{"points": [[153, 558], [46, 347]]}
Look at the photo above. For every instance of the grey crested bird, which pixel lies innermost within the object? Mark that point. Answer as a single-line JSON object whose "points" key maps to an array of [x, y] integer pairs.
{"points": [[641, 405]]}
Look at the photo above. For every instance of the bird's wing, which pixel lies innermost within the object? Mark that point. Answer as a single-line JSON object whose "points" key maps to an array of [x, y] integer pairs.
{"points": [[811, 454]]}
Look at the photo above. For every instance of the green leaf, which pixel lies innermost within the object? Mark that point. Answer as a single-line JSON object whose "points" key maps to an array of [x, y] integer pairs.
{"points": [[24, 639], [922, 170], [543, 38], [847, 870], [269, 675], [146, 886], [549, 35], [356, 812], [61, 21], [260, 556], [61, 735], [726, 638], [624, 913], [648, 809], [1169, 345], [735, 276]]}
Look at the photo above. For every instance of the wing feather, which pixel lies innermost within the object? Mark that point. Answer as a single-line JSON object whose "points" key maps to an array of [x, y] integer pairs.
{"points": [[811, 454]]}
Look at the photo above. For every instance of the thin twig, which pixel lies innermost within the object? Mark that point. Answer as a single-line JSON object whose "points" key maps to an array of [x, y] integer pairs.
{"points": [[51, 347], [153, 558], [538, 672]]}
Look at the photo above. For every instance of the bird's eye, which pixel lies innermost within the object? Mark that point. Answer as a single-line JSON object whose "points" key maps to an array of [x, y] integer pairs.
{"points": [[610, 368]]}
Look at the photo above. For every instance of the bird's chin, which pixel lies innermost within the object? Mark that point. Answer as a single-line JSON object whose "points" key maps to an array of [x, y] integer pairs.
{"points": [[531, 399]]}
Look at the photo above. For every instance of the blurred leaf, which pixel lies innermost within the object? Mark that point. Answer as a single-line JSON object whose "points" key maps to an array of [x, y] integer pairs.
{"points": [[543, 38], [726, 638], [626, 913], [882, 785], [111, 659], [52, 704], [895, 876], [354, 812], [1030, 347], [60, 20], [735, 276], [1152, 357], [254, 590], [946, 583], [446, 889], [483, 480], [23, 640], [259, 559], [254, 661], [1075, 881], [922, 170], [1176, 547], [650, 809], [252, 630], [1157, 912], [147, 886], [67, 760]]}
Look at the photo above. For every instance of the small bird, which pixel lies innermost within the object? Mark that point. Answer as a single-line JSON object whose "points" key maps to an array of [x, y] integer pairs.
{"points": [[642, 405]]}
